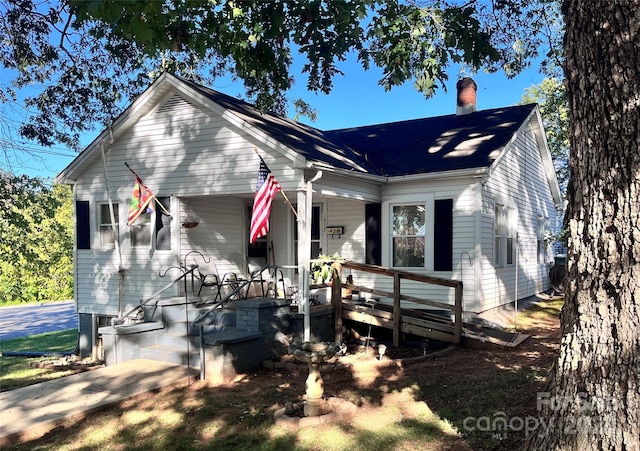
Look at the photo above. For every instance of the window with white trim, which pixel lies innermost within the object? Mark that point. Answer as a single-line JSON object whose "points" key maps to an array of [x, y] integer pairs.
{"points": [[141, 233], [315, 238], [504, 235], [105, 229], [543, 230], [408, 236]]}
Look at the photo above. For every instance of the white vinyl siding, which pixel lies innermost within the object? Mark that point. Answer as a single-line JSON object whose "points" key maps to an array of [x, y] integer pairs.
{"points": [[350, 215], [98, 280], [219, 232], [349, 187], [186, 154], [518, 180]]}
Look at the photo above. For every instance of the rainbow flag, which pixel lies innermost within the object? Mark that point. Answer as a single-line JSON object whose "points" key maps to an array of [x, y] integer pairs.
{"points": [[140, 201]]}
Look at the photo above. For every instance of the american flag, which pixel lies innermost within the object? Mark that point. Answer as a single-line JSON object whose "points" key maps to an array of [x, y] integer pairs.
{"points": [[266, 190]]}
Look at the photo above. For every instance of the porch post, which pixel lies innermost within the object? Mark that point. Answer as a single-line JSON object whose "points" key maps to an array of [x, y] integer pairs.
{"points": [[304, 254]]}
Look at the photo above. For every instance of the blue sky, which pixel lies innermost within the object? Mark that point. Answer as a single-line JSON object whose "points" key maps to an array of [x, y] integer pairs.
{"points": [[356, 99]]}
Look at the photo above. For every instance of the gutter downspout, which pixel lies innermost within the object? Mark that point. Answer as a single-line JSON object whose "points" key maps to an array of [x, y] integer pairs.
{"points": [[515, 317]]}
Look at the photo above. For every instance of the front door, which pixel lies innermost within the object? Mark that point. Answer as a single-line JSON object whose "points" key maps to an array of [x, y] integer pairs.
{"points": [[258, 251], [316, 235]]}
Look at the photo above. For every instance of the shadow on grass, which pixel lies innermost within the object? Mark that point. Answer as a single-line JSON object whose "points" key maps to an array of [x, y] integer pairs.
{"points": [[18, 370], [551, 308], [459, 396]]}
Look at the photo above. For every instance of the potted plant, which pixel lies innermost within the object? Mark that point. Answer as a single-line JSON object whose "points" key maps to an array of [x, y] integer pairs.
{"points": [[321, 268]]}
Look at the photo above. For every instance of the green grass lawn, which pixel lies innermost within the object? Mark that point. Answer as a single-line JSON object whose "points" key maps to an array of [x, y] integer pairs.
{"points": [[16, 372]]}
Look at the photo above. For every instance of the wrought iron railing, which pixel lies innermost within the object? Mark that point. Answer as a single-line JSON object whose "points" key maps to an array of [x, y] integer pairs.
{"points": [[137, 310]]}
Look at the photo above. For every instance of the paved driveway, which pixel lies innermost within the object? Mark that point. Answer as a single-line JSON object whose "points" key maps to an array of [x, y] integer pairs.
{"points": [[22, 321]]}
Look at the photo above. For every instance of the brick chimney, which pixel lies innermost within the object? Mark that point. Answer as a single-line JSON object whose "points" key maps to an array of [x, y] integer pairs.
{"points": [[466, 101]]}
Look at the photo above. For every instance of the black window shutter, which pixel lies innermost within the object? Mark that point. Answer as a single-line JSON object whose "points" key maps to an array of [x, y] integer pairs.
{"points": [[443, 235], [83, 231], [373, 234]]}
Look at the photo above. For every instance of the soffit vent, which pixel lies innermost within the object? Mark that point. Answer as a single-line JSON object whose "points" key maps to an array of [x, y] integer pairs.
{"points": [[175, 103]]}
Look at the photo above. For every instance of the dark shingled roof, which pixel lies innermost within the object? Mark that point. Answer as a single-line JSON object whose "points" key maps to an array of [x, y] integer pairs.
{"points": [[417, 146], [435, 144]]}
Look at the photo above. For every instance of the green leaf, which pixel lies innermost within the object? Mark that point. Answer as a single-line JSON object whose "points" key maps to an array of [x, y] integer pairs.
{"points": [[113, 49]]}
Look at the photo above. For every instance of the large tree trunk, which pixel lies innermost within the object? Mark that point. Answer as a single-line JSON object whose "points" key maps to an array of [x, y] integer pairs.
{"points": [[594, 396]]}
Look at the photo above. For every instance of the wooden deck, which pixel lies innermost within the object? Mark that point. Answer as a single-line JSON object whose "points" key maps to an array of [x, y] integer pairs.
{"points": [[435, 321], [422, 324], [428, 324], [399, 319]]}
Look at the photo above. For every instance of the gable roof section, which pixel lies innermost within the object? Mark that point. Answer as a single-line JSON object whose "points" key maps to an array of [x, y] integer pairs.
{"points": [[437, 144], [307, 141], [396, 149], [143, 104]]}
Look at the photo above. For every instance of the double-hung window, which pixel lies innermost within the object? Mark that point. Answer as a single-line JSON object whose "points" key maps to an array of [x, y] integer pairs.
{"points": [[408, 236], [504, 238], [315, 238], [140, 231], [543, 229], [420, 232], [105, 229], [152, 229]]}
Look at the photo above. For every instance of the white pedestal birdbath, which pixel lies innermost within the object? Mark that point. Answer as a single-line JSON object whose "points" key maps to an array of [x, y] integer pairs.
{"points": [[314, 354]]}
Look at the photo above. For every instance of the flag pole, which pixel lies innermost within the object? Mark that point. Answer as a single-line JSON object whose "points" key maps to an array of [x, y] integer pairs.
{"points": [[281, 190], [116, 233], [288, 202], [164, 210]]}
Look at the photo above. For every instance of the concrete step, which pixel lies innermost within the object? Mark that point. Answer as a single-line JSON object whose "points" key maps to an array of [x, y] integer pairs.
{"points": [[231, 336], [171, 354], [178, 313], [174, 349], [211, 334], [179, 341], [182, 328]]}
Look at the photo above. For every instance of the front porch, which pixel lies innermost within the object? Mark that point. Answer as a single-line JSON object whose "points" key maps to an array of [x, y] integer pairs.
{"points": [[222, 343], [223, 335], [222, 338]]}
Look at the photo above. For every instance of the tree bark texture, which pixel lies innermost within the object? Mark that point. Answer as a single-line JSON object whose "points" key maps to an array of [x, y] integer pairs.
{"points": [[593, 402]]}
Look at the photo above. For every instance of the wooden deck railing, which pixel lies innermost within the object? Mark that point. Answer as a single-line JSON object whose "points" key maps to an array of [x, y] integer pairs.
{"points": [[396, 295]]}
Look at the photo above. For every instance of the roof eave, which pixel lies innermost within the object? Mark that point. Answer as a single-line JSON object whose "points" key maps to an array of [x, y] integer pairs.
{"points": [[547, 158], [478, 172], [366, 176]]}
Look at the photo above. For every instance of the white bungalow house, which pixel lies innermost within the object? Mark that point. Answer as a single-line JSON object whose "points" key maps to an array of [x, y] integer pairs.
{"points": [[466, 196]]}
